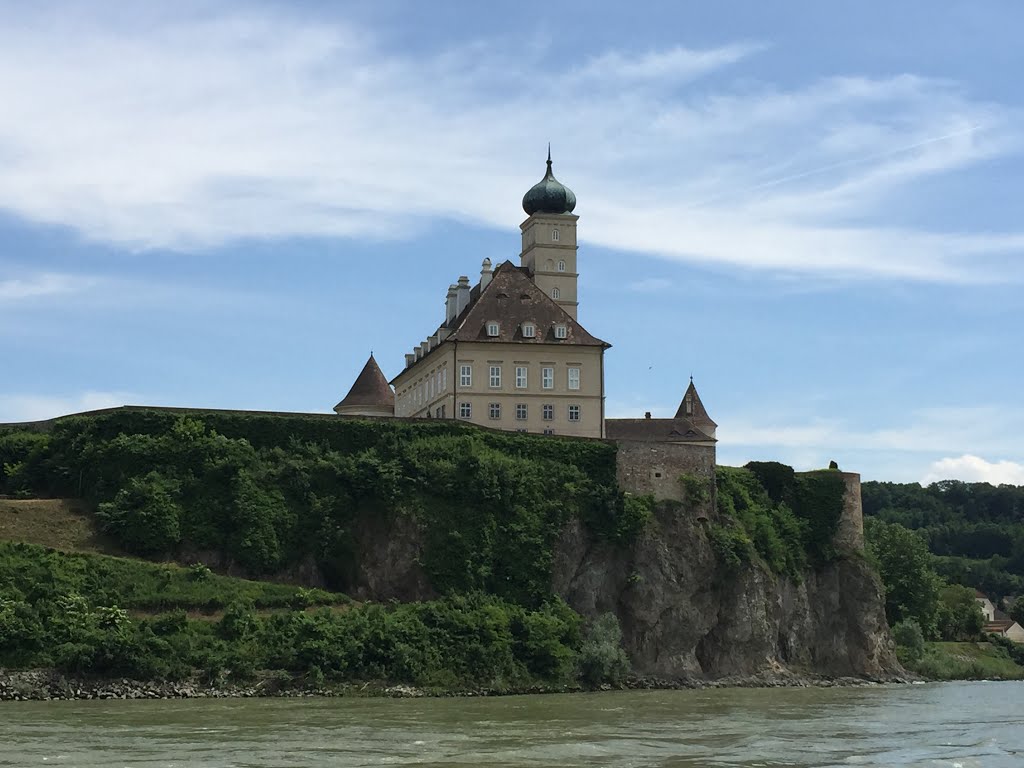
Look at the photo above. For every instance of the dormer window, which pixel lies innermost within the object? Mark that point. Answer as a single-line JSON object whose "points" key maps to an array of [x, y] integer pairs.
{"points": [[529, 330], [561, 266], [492, 329], [561, 332], [554, 235], [556, 292]]}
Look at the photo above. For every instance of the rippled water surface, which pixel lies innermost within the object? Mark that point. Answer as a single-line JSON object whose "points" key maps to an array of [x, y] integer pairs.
{"points": [[956, 724]]}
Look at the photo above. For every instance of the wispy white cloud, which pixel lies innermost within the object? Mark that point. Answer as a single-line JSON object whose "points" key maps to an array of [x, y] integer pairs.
{"points": [[671, 66], [19, 407], [974, 469], [40, 285], [650, 285], [274, 125]]}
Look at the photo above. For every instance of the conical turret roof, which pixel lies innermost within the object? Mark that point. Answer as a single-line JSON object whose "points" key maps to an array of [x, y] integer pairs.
{"points": [[693, 409], [370, 389]]}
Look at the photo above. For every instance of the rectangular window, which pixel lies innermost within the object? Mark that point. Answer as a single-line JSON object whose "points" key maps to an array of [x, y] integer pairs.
{"points": [[465, 410], [521, 411], [520, 377], [574, 378], [495, 376], [561, 332], [529, 330], [549, 431], [495, 410], [549, 412], [554, 235], [574, 413], [466, 376], [547, 378], [492, 329]]}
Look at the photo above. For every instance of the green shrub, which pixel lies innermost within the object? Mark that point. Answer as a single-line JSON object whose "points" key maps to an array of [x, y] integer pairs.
{"points": [[143, 517], [909, 640], [602, 659]]}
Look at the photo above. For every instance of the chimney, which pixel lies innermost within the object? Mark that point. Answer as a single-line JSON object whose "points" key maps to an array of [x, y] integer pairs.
{"points": [[410, 358], [485, 273], [647, 415], [449, 304], [462, 294]]}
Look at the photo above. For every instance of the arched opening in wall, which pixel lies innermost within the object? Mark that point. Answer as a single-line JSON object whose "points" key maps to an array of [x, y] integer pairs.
{"points": [[549, 265]]}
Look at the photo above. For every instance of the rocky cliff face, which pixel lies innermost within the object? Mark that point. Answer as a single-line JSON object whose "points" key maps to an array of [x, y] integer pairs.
{"points": [[682, 617]]}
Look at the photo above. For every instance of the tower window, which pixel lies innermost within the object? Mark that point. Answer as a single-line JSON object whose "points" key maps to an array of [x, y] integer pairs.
{"points": [[556, 293], [554, 235], [560, 332], [521, 411], [529, 330], [561, 266], [494, 410], [574, 413], [492, 329], [465, 375], [689, 407]]}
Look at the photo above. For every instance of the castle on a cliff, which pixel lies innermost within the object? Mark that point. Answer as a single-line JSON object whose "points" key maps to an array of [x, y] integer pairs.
{"points": [[511, 353]]}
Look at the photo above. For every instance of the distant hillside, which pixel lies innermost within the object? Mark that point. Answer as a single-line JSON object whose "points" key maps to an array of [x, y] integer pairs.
{"points": [[975, 530]]}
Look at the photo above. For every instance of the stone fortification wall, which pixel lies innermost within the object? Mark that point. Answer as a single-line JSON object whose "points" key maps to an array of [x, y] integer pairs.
{"points": [[850, 533], [647, 467]]}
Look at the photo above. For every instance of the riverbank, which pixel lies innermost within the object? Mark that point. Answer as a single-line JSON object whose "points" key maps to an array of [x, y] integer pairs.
{"points": [[50, 685]]}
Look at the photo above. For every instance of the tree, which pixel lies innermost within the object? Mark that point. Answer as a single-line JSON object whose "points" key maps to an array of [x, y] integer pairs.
{"points": [[959, 616], [144, 516], [905, 566]]}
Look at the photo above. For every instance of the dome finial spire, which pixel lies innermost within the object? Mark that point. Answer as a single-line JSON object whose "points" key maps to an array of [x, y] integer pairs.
{"points": [[549, 196]]}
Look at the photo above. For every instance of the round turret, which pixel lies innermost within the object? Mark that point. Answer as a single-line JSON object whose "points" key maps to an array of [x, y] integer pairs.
{"points": [[549, 195]]}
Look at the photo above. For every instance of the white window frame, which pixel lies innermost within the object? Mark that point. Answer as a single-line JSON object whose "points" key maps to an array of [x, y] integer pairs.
{"points": [[548, 412], [554, 234], [493, 329], [573, 378], [561, 265], [575, 409], [494, 411], [494, 377], [529, 330], [465, 410], [561, 332], [556, 292], [522, 377], [465, 375], [521, 412], [547, 378]]}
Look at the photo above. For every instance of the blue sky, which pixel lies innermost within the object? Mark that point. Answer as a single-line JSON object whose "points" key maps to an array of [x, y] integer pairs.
{"points": [[814, 208]]}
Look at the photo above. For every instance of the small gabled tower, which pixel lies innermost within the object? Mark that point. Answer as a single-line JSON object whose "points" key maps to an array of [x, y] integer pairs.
{"points": [[370, 395], [692, 409], [549, 240]]}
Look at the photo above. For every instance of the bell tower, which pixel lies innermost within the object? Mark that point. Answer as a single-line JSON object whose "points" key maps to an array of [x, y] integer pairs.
{"points": [[549, 240]]}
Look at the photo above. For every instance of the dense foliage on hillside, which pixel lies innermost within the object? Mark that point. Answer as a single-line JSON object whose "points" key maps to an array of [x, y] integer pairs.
{"points": [[786, 519], [268, 491], [975, 530], [69, 612]]}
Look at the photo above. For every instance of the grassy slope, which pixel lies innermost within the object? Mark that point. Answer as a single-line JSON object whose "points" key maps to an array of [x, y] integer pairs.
{"points": [[59, 535], [967, 661], [64, 524]]}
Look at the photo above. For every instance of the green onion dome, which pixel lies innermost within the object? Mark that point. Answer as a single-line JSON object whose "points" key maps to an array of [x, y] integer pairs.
{"points": [[549, 195]]}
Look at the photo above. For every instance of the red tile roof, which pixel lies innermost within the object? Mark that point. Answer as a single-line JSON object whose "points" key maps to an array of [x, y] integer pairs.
{"points": [[370, 388]]}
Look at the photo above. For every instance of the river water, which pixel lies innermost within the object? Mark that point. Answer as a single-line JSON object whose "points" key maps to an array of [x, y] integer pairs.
{"points": [[959, 725]]}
